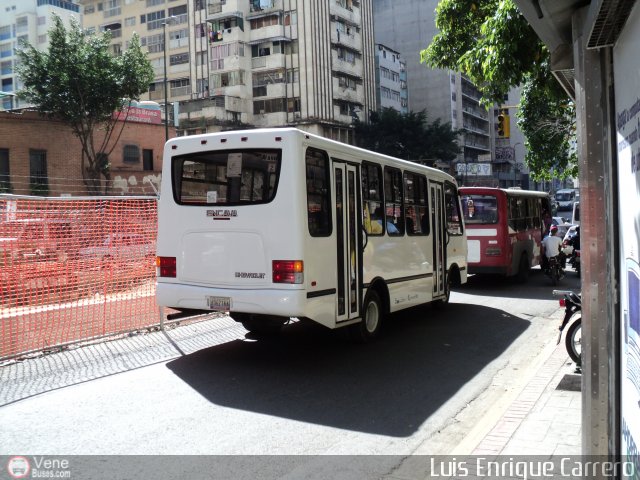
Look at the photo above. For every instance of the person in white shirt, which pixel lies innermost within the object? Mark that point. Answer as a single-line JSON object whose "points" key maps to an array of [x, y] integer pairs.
{"points": [[551, 244]]}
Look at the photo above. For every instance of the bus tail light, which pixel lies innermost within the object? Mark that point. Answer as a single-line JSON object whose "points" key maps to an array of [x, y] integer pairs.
{"points": [[166, 266], [493, 251], [288, 271]]}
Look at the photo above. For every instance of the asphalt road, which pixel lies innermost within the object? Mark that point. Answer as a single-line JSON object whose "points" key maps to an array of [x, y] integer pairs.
{"points": [[421, 388]]}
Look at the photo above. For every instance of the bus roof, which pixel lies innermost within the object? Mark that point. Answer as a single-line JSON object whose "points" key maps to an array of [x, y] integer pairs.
{"points": [[507, 191], [194, 141]]}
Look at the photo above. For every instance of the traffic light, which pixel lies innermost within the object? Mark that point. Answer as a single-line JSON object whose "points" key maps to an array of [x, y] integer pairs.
{"points": [[503, 124]]}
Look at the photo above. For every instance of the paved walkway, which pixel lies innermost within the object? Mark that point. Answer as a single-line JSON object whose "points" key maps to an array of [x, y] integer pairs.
{"points": [[545, 418]]}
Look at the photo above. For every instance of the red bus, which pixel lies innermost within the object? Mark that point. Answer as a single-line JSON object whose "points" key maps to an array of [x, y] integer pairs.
{"points": [[504, 229]]}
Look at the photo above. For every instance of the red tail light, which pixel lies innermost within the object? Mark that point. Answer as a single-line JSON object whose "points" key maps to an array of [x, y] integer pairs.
{"points": [[288, 271], [166, 266], [563, 303]]}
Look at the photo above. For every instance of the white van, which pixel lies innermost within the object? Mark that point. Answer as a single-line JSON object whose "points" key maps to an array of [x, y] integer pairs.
{"points": [[565, 198]]}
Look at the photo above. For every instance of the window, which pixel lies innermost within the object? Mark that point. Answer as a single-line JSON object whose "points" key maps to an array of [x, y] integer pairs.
{"points": [[454, 219], [394, 210], [227, 79], [129, 21], [179, 58], [226, 177], [372, 198], [480, 209], [5, 174], [415, 195], [318, 193], [131, 154], [147, 159], [38, 179], [176, 11]]}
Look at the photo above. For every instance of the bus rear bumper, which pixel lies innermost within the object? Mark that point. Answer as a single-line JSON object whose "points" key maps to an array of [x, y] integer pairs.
{"points": [[286, 303]]}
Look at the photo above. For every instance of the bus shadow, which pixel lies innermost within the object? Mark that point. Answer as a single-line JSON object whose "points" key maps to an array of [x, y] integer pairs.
{"points": [[537, 287], [389, 387]]}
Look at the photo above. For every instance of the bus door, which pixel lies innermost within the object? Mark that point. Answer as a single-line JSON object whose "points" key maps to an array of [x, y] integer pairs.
{"points": [[348, 228], [438, 230]]}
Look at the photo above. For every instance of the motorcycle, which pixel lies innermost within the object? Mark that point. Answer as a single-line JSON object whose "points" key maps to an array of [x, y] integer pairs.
{"points": [[572, 303], [554, 269], [572, 255]]}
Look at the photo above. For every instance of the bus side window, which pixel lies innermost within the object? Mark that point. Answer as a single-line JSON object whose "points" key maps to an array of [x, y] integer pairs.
{"points": [[454, 218], [513, 213], [318, 193], [372, 199], [394, 208], [415, 195]]}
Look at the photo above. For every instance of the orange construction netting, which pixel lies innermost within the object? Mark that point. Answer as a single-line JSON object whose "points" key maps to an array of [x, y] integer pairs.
{"points": [[74, 269]]}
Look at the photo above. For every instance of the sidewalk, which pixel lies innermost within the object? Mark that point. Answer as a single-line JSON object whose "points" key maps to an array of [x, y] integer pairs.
{"points": [[545, 418]]}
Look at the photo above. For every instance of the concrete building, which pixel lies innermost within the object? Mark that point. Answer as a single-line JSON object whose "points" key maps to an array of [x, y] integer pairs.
{"points": [[252, 63], [27, 20], [408, 26], [391, 80]]}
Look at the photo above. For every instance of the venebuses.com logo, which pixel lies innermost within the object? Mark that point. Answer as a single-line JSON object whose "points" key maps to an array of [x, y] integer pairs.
{"points": [[18, 467]]}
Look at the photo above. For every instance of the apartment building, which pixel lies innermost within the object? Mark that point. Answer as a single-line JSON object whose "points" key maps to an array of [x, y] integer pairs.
{"points": [[27, 20], [391, 80], [409, 27], [251, 62]]}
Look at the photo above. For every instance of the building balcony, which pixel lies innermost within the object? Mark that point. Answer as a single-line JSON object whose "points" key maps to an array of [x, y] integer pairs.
{"points": [[351, 40], [269, 61], [233, 62], [476, 112], [229, 35], [178, 43], [353, 69], [256, 10], [348, 94], [181, 67], [266, 34], [346, 11]]}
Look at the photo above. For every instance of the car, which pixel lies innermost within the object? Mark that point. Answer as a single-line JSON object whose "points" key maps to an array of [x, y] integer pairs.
{"points": [[570, 233], [121, 247], [563, 225]]}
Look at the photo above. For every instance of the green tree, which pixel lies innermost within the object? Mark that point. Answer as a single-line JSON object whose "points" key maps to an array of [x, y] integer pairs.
{"points": [[408, 136], [492, 44], [81, 83]]}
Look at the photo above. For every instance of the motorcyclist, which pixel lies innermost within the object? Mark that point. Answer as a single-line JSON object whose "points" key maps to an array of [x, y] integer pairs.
{"points": [[551, 245], [575, 241]]}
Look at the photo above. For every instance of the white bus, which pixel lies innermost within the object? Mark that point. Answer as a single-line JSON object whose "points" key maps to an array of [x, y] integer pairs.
{"points": [[274, 224]]}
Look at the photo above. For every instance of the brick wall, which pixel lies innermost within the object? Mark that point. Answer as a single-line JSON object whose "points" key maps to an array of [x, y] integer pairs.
{"points": [[25, 130]]}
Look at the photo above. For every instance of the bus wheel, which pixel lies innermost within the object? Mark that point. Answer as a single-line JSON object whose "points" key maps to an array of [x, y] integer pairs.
{"points": [[447, 291], [372, 314], [523, 269]]}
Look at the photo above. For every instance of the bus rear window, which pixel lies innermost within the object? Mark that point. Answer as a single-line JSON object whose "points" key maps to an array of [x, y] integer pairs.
{"points": [[226, 177], [480, 209]]}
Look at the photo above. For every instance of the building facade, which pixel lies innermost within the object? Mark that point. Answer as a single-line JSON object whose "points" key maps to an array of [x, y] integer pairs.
{"points": [[252, 62], [409, 27], [30, 21], [391, 80], [41, 156]]}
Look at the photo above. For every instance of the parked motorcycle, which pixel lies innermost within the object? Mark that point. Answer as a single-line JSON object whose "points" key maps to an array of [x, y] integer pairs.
{"points": [[574, 260], [554, 269], [571, 302]]}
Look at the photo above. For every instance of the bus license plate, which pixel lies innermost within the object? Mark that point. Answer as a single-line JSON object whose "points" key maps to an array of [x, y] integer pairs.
{"points": [[219, 303]]}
